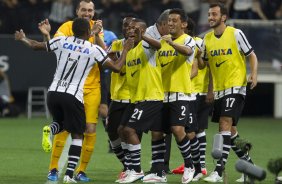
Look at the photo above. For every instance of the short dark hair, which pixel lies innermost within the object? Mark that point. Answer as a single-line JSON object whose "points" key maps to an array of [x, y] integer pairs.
{"points": [[222, 7], [78, 3], [181, 12], [143, 23], [130, 14], [80, 27]]}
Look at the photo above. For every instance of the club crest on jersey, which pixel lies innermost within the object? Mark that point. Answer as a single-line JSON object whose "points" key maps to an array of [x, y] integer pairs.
{"points": [[134, 62], [76, 48], [167, 53], [220, 52]]}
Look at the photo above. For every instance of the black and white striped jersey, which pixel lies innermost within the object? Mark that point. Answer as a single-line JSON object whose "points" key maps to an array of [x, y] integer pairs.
{"points": [[75, 58]]}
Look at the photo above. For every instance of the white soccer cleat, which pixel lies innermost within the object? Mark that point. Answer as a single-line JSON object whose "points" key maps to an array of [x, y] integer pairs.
{"points": [[241, 179], [188, 175], [68, 179], [198, 177], [122, 176], [132, 176], [154, 178], [213, 177]]}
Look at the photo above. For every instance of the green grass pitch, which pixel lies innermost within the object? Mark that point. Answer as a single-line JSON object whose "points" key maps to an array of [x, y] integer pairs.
{"points": [[22, 161]]}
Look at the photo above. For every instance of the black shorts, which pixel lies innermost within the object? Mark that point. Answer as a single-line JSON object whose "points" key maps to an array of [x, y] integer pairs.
{"points": [[203, 111], [192, 123], [175, 114], [230, 106], [145, 116], [115, 115], [67, 111]]}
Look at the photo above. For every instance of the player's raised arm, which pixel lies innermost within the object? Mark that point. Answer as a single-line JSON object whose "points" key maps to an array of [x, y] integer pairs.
{"points": [[35, 45], [117, 65], [45, 29], [183, 49], [97, 28]]}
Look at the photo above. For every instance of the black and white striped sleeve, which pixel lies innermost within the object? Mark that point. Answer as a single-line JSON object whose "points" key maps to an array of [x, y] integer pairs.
{"points": [[54, 44], [199, 43], [100, 55], [243, 43], [190, 42]]}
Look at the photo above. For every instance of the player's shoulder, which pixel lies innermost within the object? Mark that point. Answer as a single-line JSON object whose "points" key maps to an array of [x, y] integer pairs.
{"points": [[64, 29], [198, 40], [67, 24]]}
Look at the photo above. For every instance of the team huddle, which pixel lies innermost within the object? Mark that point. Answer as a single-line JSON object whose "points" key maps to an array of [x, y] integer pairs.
{"points": [[164, 80]]}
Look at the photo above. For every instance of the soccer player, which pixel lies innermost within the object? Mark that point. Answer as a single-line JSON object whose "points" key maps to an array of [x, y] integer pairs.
{"points": [[75, 58], [202, 88], [175, 55], [120, 102], [92, 95], [156, 31], [143, 74], [225, 49]]}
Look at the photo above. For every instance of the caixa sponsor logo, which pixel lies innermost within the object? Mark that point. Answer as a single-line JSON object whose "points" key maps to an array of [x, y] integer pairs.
{"points": [[4, 65]]}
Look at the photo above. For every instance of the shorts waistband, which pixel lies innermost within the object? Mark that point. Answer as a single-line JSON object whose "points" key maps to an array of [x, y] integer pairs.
{"points": [[234, 90], [200, 94], [136, 102], [122, 101], [178, 96]]}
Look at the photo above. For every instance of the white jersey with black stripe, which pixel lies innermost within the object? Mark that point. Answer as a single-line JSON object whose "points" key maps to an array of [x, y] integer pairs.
{"points": [[75, 58], [152, 32], [242, 42]]}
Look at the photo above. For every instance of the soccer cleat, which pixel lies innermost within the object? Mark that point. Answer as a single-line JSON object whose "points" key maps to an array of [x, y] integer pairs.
{"points": [[132, 176], [198, 176], [188, 175], [178, 170], [81, 176], [204, 171], [154, 178], [53, 175], [241, 179], [122, 175], [68, 179], [213, 178], [46, 139]]}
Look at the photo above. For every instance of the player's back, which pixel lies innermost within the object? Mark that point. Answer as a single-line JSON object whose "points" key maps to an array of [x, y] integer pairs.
{"points": [[75, 58]]}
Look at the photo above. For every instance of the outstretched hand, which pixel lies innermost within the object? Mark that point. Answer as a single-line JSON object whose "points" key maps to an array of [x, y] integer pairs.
{"points": [[19, 35], [44, 27]]}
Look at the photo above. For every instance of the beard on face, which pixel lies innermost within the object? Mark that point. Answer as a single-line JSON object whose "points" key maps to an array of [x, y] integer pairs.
{"points": [[216, 24]]}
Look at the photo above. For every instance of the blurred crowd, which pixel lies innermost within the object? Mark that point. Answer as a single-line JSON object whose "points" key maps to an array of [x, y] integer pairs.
{"points": [[25, 14]]}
